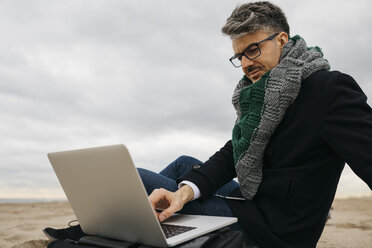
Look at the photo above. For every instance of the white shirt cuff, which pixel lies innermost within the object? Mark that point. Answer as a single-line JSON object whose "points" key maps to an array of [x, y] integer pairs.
{"points": [[193, 186]]}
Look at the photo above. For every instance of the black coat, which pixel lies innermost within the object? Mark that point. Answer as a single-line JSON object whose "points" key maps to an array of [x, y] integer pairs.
{"points": [[328, 124]]}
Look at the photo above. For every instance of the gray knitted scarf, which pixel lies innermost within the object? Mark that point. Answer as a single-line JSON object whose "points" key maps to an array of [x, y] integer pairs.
{"points": [[261, 106]]}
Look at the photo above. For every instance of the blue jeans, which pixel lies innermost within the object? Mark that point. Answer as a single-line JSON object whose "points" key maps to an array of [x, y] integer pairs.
{"points": [[212, 206]]}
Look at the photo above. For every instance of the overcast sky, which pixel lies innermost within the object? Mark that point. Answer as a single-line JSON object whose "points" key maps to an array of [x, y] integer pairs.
{"points": [[153, 75]]}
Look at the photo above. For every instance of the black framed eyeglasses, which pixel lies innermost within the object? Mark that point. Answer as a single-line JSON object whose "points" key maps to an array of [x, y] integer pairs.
{"points": [[252, 52]]}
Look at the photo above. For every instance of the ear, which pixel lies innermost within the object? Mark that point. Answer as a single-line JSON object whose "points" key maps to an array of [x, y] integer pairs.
{"points": [[282, 39]]}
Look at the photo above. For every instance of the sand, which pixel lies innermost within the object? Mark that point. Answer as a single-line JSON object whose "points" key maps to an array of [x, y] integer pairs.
{"points": [[21, 223]]}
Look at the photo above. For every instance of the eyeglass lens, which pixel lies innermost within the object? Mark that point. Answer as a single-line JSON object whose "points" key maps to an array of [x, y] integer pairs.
{"points": [[251, 53]]}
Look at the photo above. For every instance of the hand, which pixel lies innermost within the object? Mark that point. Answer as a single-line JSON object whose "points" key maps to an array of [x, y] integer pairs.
{"points": [[170, 202]]}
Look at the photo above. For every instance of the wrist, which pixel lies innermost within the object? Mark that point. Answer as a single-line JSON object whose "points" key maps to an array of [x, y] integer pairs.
{"points": [[186, 193]]}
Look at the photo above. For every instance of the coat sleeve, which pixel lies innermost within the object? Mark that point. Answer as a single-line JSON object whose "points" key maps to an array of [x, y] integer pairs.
{"points": [[214, 173], [347, 126]]}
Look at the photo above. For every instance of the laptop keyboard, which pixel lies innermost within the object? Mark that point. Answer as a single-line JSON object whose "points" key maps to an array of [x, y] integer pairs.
{"points": [[173, 230]]}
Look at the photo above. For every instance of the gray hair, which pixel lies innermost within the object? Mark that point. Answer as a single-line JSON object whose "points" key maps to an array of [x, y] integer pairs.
{"points": [[251, 17]]}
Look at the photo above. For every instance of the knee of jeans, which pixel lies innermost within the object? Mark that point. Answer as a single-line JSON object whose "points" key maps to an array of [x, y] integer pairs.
{"points": [[187, 160], [183, 164], [143, 173]]}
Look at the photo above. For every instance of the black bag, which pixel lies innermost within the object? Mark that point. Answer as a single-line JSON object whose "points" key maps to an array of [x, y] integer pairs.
{"points": [[224, 237]]}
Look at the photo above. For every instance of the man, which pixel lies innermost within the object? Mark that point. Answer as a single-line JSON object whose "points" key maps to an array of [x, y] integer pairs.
{"points": [[297, 124]]}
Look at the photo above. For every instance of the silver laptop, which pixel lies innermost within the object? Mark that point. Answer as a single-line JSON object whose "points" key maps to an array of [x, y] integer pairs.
{"points": [[109, 200]]}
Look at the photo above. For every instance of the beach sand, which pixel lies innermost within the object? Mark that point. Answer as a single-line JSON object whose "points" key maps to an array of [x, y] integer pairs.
{"points": [[21, 223]]}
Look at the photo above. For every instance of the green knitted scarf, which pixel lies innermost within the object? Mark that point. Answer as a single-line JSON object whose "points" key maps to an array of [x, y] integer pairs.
{"points": [[261, 106]]}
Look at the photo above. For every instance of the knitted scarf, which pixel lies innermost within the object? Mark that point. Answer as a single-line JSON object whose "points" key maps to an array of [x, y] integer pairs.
{"points": [[261, 106]]}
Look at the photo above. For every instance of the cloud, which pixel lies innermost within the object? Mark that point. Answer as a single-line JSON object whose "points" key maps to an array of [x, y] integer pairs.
{"points": [[154, 75]]}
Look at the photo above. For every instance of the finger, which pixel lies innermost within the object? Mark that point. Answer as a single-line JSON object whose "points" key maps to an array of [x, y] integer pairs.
{"points": [[165, 214], [159, 198], [155, 197], [157, 214]]}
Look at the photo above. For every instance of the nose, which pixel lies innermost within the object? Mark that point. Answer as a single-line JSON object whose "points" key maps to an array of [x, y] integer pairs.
{"points": [[246, 62]]}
